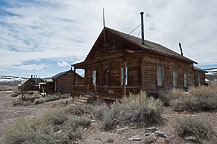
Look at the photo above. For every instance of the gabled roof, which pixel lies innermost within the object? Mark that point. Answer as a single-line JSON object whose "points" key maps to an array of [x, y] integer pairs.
{"points": [[24, 81], [151, 46], [59, 74], [62, 73], [198, 69]]}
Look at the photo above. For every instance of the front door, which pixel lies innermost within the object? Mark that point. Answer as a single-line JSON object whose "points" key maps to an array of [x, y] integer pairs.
{"points": [[106, 76], [106, 79], [94, 80]]}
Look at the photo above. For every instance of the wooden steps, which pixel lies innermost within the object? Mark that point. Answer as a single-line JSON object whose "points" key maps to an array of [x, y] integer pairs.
{"points": [[84, 99]]}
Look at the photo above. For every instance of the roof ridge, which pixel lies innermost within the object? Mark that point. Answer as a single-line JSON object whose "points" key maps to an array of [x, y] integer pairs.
{"points": [[150, 45]]}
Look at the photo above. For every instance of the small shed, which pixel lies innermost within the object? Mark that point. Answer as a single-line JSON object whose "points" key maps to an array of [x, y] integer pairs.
{"points": [[62, 82], [31, 84], [199, 76]]}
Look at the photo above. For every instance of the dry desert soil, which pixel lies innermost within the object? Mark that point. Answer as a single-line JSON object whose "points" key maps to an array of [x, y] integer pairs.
{"points": [[94, 134]]}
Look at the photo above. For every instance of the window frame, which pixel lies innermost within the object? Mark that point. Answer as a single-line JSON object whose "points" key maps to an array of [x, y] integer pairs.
{"points": [[175, 84], [160, 81], [94, 77], [124, 75], [185, 79]]}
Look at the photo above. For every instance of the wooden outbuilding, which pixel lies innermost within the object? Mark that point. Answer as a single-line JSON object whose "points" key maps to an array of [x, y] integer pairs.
{"points": [[199, 76], [119, 64], [31, 84], [62, 82]]}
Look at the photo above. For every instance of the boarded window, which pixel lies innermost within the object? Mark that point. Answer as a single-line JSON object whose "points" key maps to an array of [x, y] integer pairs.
{"points": [[174, 78], [185, 79], [159, 76], [94, 77]]}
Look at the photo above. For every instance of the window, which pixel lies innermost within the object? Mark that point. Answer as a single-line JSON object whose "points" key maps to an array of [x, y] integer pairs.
{"points": [[124, 76], [94, 77], [159, 76], [174, 78], [198, 80], [185, 79], [107, 70]]}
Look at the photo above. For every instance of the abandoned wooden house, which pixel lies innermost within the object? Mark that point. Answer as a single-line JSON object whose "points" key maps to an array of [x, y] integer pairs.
{"points": [[62, 82], [120, 64], [31, 84]]}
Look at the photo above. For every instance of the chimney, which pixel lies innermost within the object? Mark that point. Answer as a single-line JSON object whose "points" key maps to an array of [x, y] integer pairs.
{"points": [[180, 46], [31, 76], [142, 27]]}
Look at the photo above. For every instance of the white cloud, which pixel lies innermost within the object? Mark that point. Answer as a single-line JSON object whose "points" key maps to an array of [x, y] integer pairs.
{"points": [[62, 64], [29, 67], [68, 28]]}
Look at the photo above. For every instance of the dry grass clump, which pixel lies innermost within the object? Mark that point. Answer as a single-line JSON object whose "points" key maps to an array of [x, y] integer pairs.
{"points": [[133, 110], [41, 100], [197, 99], [188, 126], [35, 98], [47, 98], [25, 131], [20, 101], [74, 122], [55, 127], [14, 94], [78, 109]]}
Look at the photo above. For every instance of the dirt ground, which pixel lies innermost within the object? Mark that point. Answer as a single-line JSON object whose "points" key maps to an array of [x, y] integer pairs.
{"points": [[9, 113], [94, 134]]}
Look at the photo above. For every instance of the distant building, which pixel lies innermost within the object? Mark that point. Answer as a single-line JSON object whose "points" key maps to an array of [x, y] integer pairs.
{"points": [[211, 75], [62, 82], [31, 84]]}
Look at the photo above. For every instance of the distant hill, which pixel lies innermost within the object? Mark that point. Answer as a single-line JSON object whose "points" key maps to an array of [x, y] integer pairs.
{"points": [[211, 74], [11, 80]]}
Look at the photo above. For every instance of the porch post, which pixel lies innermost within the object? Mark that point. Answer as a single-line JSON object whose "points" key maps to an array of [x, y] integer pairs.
{"points": [[142, 73], [74, 78], [124, 73]]}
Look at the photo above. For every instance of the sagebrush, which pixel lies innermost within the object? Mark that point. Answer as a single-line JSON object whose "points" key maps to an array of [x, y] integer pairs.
{"points": [[201, 98], [189, 126], [136, 110], [55, 127]]}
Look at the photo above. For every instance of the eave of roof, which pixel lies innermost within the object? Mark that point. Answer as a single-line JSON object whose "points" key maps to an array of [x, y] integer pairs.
{"points": [[198, 69]]}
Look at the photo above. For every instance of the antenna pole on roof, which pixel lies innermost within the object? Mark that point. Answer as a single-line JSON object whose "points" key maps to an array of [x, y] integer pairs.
{"points": [[142, 27], [103, 18], [104, 32]]}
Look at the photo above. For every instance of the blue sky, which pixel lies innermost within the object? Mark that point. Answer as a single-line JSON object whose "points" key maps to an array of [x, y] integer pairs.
{"points": [[44, 37]]}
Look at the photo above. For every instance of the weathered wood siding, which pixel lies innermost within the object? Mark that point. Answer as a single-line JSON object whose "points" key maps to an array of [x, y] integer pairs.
{"points": [[150, 64], [65, 83], [29, 85], [112, 52], [202, 77]]}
